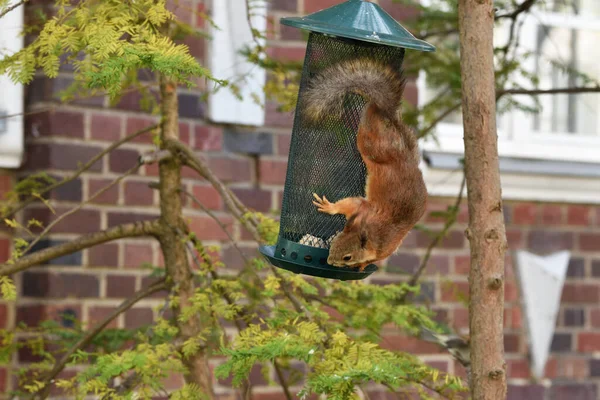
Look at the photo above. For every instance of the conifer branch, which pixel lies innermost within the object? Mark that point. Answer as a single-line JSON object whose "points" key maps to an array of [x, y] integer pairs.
{"points": [[81, 170], [136, 229], [10, 8], [87, 339]]}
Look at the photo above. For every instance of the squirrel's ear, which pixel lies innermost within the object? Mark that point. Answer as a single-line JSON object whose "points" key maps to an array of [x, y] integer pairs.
{"points": [[363, 239]]}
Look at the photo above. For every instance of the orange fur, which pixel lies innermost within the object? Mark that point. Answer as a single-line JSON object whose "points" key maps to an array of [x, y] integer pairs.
{"points": [[396, 195]]}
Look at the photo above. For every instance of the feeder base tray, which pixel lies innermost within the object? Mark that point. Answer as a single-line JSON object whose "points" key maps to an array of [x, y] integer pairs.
{"points": [[312, 261]]}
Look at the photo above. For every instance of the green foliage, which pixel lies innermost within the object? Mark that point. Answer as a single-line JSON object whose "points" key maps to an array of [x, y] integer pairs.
{"points": [[338, 364], [106, 41]]}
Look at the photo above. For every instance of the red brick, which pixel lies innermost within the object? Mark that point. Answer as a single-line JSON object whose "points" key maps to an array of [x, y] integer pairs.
{"points": [[511, 343], [122, 160], [110, 196], [551, 369], [595, 318], [137, 254], [311, 6], [580, 293], [511, 292], [196, 46], [106, 127], [573, 367], [82, 221], [182, 9], [525, 213], [518, 369], [275, 117], [5, 185], [399, 11], [514, 238], [138, 194], [287, 54], [411, 93], [150, 280], [57, 123], [231, 169], [207, 228], [61, 156], [272, 172], [4, 250], [208, 138], [452, 240], [184, 133], [283, 144], [119, 286], [118, 218], [589, 241], [513, 318], [579, 215], [455, 292], [138, 317], [552, 214], [208, 196], [588, 342], [3, 316], [50, 285], [200, 15], [409, 344], [462, 265], [134, 124], [3, 380], [99, 314], [34, 314], [255, 199], [104, 255], [289, 32]]}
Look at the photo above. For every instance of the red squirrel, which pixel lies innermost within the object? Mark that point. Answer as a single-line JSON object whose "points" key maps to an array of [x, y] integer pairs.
{"points": [[396, 195]]}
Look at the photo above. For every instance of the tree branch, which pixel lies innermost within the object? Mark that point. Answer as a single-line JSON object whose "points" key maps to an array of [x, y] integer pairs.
{"points": [[10, 8], [87, 339], [531, 92], [233, 203], [82, 169], [79, 207], [521, 8], [449, 222], [142, 228], [436, 121]]}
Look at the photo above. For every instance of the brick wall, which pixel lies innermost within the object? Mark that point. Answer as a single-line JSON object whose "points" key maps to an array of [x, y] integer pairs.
{"points": [[92, 282]]}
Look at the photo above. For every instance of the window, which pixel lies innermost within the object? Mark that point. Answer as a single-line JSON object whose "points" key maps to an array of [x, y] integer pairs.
{"points": [[11, 101], [226, 62], [562, 38], [553, 155]]}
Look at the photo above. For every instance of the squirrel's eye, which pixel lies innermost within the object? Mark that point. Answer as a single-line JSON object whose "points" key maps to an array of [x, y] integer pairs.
{"points": [[347, 258]]}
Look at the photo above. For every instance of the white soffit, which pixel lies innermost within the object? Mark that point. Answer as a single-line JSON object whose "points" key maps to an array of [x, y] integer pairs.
{"points": [[11, 98], [541, 280], [232, 35]]}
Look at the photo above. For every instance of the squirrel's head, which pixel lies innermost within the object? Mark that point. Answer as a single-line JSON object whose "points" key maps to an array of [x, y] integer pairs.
{"points": [[351, 247]]}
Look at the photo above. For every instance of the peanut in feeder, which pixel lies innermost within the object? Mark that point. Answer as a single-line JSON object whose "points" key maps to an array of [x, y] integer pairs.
{"points": [[324, 158]]}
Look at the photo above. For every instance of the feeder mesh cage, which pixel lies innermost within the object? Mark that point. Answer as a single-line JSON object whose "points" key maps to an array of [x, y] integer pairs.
{"points": [[324, 157]]}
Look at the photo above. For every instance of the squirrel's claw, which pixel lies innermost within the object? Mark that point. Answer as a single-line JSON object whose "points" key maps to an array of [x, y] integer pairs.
{"points": [[323, 205]]}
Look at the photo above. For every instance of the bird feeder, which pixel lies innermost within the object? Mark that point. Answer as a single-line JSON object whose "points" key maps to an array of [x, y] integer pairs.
{"points": [[324, 159]]}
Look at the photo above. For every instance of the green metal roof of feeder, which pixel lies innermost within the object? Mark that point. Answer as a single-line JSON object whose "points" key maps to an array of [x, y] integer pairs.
{"points": [[360, 20]]}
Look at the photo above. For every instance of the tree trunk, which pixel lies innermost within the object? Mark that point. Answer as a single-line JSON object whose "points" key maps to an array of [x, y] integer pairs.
{"points": [[172, 246], [486, 231]]}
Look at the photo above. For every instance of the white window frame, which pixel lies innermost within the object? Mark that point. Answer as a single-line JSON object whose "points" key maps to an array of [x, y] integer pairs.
{"points": [[231, 34], [11, 101], [516, 142]]}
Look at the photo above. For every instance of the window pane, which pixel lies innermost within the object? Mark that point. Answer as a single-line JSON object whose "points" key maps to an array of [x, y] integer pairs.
{"points": [[587, 8], [565, 58]]}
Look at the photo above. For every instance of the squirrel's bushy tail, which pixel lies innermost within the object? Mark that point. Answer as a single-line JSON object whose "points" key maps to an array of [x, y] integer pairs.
{"points": [[379, 83]]}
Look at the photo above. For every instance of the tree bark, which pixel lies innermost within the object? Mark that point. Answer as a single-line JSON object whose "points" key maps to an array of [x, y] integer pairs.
{"points": [[172, 244], [486, 231]]}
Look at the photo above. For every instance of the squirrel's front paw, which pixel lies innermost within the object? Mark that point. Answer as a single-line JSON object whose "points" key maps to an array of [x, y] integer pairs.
{"points": [[323, 205]]}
